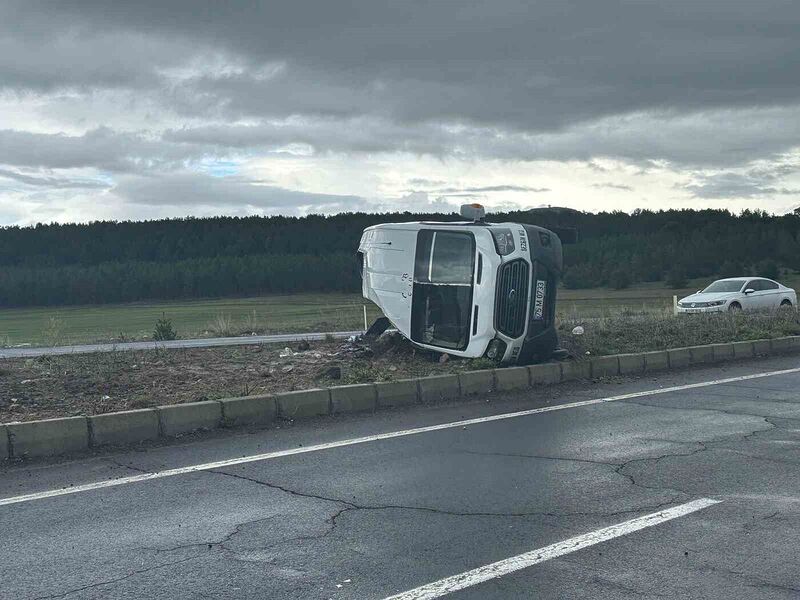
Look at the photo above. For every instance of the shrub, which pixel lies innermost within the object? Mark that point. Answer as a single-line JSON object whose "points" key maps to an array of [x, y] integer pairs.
{"points": [[222, 325], [579, 277], [768, 268], [731, 268], [164, 330], [620, 278], [676, 278]]}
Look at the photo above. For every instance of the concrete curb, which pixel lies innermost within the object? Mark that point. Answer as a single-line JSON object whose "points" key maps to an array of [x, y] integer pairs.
{"points": [[126, 427], [48, 437], [76, 434]]}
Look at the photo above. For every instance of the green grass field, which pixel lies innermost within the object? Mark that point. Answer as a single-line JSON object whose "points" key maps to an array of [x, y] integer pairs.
{"points": [[197, 318], [277, 314]]}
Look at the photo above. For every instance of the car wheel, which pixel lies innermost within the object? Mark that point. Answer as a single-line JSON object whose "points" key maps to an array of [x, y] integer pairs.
{"points": [[734, 307], [785, 306]]}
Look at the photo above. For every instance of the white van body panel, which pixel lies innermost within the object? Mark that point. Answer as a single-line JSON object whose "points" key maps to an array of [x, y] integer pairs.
{"points": [[388, 277]]}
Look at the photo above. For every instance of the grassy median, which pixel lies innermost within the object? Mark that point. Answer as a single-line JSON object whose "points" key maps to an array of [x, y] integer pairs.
{"points": [[85, 384]]}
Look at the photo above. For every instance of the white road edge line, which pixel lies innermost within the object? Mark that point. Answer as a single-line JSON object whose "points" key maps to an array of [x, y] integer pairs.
{"points": [[97, 485], [471, 578]]}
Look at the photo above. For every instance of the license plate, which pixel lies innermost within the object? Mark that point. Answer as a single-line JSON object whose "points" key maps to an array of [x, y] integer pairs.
{"points": [[538, 306], [693, 311]]}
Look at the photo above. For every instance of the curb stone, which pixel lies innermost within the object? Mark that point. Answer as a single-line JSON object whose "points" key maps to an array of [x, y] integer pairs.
{"points": [[605, 366], [723, 352], [5, 444], [701, 355], [403, 392], [75, 434], [304, 403], [124, 427], [656, 361], [630, 364], [249, 410], [545, 374], [743, 350], [513, 378], [177, 419], [762, 347], [438, 388], [48, 437], [572, 370], [360, 397], [781, 345], [478, 382], [679, 358]]}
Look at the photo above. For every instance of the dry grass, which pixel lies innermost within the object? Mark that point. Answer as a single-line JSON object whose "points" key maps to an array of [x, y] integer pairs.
{"points": [[631, 332]]}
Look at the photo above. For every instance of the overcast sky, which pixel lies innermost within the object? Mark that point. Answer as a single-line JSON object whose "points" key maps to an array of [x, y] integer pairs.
{"points": [[153, 108]]}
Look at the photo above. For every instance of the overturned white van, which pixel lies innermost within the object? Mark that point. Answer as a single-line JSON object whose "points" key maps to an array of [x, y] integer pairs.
{"points": [[467, 288]]}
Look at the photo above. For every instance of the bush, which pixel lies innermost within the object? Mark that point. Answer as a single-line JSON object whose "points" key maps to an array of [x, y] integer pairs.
{"points": [[579, 278], [676, 278], [620, 279], [164, 330], [768, 268], [731, 268]]}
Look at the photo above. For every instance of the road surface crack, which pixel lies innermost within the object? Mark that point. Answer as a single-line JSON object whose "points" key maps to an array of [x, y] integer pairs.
{"points": [[349, 506], [118, 579]]}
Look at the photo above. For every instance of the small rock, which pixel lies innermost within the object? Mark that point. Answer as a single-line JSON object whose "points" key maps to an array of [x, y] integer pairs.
{"points": [[287, 368], [444, 358], [392, 368], [579, 330], [286, 352]]}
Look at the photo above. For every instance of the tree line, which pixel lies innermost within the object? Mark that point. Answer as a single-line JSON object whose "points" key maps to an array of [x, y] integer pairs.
{"points": [[104, 262]]}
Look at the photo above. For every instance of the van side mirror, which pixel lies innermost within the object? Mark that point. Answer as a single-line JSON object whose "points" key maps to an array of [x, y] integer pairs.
{"points": [[749, 291]]}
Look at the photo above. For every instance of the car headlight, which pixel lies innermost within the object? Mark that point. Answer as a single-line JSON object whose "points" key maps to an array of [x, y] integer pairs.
{"points": [[717, 303], [496, 349], [503, 241]]}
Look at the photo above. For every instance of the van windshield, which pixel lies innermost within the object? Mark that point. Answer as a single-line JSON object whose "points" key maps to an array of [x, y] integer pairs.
{"points": [[442, 297]]}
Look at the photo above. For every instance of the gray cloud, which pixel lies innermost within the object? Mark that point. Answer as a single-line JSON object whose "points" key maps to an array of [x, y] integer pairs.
{"points": [[61, 183], [756, 182], [191, 189], [613, 186], [678, 83]]}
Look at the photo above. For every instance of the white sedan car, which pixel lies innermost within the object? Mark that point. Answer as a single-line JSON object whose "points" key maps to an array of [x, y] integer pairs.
{"points": [[740, 293]]}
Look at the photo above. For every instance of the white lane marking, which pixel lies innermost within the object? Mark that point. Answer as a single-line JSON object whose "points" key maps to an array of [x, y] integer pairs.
{"points": [[461, 581], [87, 487]]}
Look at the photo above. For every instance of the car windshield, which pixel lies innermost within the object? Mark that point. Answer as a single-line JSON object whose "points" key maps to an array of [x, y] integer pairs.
{"points": [[442, 295], [723, 286]]}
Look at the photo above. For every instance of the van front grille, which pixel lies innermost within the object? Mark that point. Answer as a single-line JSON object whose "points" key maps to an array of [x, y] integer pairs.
{"points": [[512, 298]]}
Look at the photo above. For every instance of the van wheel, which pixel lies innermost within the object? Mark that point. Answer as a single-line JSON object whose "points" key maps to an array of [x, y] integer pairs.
{"points": [[734, 307]]}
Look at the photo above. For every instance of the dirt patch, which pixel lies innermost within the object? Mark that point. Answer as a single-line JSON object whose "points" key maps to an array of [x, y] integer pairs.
{"points": [[59, 386]]}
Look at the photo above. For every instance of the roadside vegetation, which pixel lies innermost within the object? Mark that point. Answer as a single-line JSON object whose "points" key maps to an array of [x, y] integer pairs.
{"points": [[632, 332], [183, 259], [104, 382]]}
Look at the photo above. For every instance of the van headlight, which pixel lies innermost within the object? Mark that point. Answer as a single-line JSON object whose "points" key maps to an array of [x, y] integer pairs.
{"points": [[496, 349], [503, 240]]}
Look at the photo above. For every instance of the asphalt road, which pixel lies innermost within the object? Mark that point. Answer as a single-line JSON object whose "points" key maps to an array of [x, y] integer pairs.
{"points": [[193, 343], [381, 511]]}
